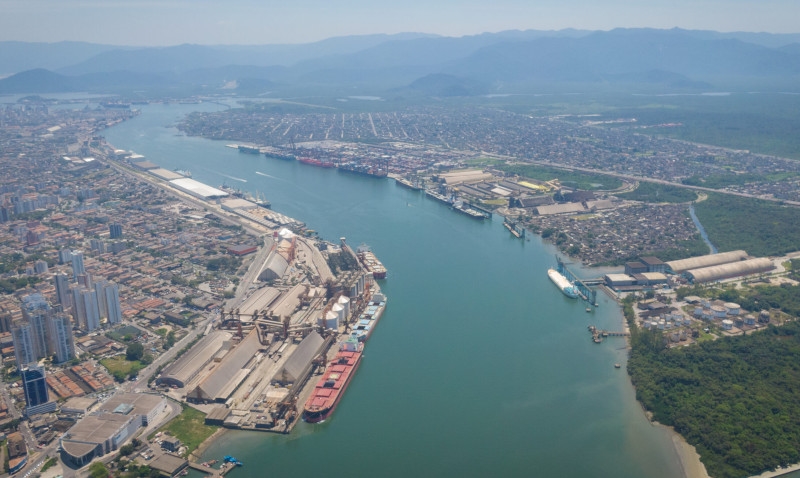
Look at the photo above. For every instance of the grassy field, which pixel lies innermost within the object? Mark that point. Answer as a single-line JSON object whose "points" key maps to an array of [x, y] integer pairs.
{"points": [[121, 368], [190, 428]]}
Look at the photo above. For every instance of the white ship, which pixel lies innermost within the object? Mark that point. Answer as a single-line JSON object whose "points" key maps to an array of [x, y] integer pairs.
{"points": [[562, 283]]}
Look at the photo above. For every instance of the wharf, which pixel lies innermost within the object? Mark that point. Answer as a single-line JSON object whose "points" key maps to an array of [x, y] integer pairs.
{"points": [[223, 470], [598, 334]]}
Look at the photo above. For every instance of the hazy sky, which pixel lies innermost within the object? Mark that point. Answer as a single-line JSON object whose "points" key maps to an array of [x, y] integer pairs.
{"points": [[170, 22]]}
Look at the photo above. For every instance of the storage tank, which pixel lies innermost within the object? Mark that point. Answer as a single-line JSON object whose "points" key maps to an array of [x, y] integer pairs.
{"points": [[727, 324], [344, 301], [339, 311], [331, 320], [653, 324], [732, 308], [749, 320], [719, 311], [661, 325], [738, 321], [698, 311]]}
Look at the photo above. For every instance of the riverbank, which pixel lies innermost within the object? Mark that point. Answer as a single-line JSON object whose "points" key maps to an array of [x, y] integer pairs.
{"points": [[688, 457], [198, 452]]}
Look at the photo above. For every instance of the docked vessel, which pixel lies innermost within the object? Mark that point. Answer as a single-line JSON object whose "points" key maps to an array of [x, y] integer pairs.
{"points": [[315, 162], [562, 283], [463, 208], [407, 184], [272, 152], [331, 387], [244, 148], [514, 228], [371, 263], [364, 169], [365, 325]]}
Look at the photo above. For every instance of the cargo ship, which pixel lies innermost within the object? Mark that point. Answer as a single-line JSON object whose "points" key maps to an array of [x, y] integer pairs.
{"points": [[463, 208], [272, 152], [364, 169], [407, 184], [368, 319], [330, 388], [371, 263], [562, 283], [244, 148], [315, 162]]}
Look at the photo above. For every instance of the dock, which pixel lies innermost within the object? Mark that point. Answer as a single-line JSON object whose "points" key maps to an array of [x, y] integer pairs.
{"points": [[585, 292], [598, 334], [223, 470]]}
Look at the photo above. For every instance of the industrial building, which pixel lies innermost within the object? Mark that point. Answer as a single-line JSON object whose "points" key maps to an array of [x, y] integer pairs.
{"points": [[198, 189], [220, 384], [165, 174], [107, 429], [183, 370], [299, 364], [683, 265], [730, 270]]}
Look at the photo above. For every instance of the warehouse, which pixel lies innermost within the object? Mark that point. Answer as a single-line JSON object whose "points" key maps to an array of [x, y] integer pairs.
{"points": [[683, 265], [183, 370], [299, 364], [198, 189], [228, 375], [727, 271]]}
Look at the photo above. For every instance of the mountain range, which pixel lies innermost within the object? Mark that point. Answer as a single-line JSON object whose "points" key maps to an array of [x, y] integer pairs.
{"points": [[417, 64]]}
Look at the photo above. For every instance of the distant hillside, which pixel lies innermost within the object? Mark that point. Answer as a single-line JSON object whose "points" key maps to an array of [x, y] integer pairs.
{"points": [[602, 56], [439, 84], [37, 81], [22, 56], [647, 59]]}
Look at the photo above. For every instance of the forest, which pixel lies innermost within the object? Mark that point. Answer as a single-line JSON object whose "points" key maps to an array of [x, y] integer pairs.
{"points": [[761, 228], [736, 399]]}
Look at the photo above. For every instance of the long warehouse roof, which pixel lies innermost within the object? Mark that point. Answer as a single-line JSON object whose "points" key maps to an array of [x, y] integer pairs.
{"points": [[733, 269], [197, 188], [709, 260]]}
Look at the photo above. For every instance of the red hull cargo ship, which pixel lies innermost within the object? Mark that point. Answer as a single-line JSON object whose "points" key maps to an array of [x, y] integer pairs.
{"points": [[330, 388]]}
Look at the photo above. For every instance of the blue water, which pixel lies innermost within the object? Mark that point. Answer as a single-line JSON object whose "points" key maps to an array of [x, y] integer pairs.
{"points": [[700, 228], [479, 367]]}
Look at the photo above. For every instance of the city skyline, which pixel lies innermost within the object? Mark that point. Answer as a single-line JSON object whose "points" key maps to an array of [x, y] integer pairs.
{"points": [[147, 23]]}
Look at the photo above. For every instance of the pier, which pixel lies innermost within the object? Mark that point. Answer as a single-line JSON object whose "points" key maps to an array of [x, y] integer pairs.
{"points": [[598, 334], [213, 472], [586, 293]]}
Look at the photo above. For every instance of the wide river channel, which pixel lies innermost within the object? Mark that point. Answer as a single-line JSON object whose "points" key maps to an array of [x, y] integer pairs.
{"points": [[479, 367]]}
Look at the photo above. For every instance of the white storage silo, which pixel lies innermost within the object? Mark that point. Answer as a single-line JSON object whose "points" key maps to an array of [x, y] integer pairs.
{"points": [[344, 301], [727, 324], [339, 311], [331, 320]]}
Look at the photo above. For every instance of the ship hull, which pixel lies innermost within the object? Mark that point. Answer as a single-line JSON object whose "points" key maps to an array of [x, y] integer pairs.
{"points": [[314, 414], [563, 284]]}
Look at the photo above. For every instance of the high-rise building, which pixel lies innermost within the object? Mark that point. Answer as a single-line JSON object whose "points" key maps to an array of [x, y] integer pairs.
{"points": [[92, 309], [64, 256], [61, 342], [111, 292], [24, 349], [78, 307], [77, 264], [40, 267], [44, 331], [115, 231], [108, 301], [84, 280], [35, 387], [35, 310], [62, 290]]}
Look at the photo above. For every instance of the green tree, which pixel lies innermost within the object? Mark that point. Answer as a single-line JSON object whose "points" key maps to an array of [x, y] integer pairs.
{"points": [[135, 351], [98, 470]]}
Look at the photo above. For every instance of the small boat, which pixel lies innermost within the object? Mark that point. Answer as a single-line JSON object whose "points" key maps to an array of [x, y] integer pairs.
{"points": [[616, 365]]}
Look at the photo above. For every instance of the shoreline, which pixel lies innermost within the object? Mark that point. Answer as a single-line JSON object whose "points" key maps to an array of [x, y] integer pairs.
{"points": [[197, 453]]}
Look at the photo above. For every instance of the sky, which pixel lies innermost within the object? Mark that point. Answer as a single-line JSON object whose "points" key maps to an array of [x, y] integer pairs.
{"points": [[248, 22]]}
